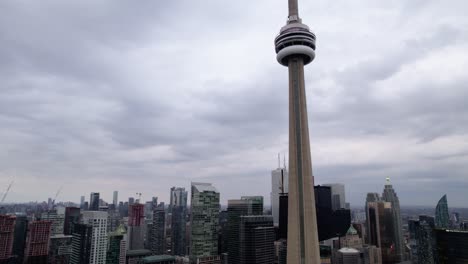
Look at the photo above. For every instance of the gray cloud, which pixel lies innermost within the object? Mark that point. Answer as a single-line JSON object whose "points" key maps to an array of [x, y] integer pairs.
{"points": [[139, 97]]}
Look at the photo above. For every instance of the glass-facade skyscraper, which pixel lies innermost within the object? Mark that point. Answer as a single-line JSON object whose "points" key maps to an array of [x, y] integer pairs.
{"points": [[441, 214], [389, 195]]}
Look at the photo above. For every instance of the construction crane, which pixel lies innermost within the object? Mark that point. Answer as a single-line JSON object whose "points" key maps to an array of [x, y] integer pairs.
{"points": [[56, 195], [6, 192]]}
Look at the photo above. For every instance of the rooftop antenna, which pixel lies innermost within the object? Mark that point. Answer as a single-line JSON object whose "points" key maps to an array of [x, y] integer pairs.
{"points": [[284, 161], [279, 163]]}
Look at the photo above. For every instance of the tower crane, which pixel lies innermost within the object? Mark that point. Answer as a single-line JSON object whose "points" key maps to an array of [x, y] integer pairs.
{"points": [[6, 192]]}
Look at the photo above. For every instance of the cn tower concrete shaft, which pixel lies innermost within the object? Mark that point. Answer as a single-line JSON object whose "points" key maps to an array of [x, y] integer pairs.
{"points": [[295, 47]]}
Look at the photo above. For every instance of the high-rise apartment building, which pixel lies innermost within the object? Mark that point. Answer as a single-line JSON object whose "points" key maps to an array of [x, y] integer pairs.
{"points": [[338, 197], [157, 239], [257, 237], [82, 201], [295, 48], [136, 227], [94, 202], [98, 221], [37, 242], [204, 221], [248, 205], [442, 219], [389, 195], [7, 228], [279, 185], [81, 244], [178, 209]]}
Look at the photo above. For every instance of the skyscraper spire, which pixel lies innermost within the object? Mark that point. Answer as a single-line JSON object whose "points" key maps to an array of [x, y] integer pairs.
{"points": [[295, 47]]}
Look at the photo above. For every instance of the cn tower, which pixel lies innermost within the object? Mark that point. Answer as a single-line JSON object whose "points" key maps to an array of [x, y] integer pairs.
{"points": [[295, 48]]}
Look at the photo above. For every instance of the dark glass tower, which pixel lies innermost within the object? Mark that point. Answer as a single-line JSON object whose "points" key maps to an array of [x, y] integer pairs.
{"points": [[389, 195], [257, 236], [295, 48]]}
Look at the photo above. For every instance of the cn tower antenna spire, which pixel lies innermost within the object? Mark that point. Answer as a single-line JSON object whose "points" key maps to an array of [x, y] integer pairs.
{"points": [[293, 11]]}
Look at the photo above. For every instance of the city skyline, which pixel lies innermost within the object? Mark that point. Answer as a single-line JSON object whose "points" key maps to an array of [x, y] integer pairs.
{"points": [[96, 103]]}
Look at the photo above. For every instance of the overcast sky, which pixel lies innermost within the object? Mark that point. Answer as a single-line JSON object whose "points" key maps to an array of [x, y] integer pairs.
{"points": [[139, 96]]}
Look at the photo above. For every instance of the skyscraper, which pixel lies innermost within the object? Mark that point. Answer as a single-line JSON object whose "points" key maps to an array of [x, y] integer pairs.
{"points": [[81, 244], [295, 47], [94, 202], [257, 237], [116, 251], [72, 217], [19, 242], [204, 221], [337, 195], [441, 214], [98, 221], [451, 246], [157, 239], [37, 242], [178, 208], [279, 185], [389, 195], [115, 199], [57, 220], [60, 249], [380, 224], [7, 228], [136, 229], [249, 205]]}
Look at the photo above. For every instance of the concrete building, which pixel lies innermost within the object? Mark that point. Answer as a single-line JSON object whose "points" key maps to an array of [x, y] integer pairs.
{"points": [[37, 242], [204, 222], [98, 221], [389, 195], [295, 47], [347, 256], [338, 197], [7, 228], [279, 185]]}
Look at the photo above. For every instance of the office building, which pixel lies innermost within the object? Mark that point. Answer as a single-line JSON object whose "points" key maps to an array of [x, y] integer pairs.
{"points": [[7, 228], [389, 195], [295, 48], [72, 217], [338, 197], [37, 242], [257, 237], [347, 256], [204, 219], [279, 185], [98, 221], [94, 202], [441, 214], [157, 239], [81, 244], [117, 248], [248, 205], [451, 246], [380, 229], [136, 227]]}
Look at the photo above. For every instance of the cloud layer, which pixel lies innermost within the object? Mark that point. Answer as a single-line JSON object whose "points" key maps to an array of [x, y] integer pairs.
{"points": [[142, 96]]}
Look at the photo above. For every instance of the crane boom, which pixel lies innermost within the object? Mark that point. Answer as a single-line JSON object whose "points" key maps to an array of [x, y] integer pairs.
{"points": [[6, 192]]}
